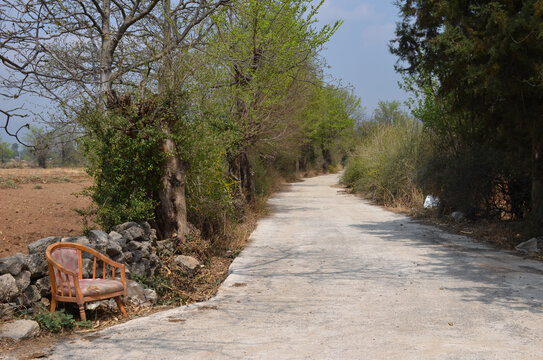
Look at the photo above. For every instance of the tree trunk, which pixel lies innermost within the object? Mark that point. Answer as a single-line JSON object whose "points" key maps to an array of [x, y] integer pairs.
{"points": [[106, 58], [42, 161], [247, 178], [172, 208], [307, 156], [537, 171], [241, 169], [327, 159]]}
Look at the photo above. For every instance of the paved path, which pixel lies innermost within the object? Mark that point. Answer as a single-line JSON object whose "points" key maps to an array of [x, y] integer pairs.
{"points": [[328, 276]]}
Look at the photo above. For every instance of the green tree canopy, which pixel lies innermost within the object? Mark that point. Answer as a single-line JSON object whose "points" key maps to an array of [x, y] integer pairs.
{"points": [[485, 62], [6, 152], [265, 51]]}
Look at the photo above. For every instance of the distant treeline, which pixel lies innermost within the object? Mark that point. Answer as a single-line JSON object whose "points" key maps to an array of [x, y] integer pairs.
{"points": [[42, 148]]}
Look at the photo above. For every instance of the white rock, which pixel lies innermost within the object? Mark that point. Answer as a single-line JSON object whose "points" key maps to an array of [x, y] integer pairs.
{"points": [[105, 305], [135, 292], [20, 330], [22, 280], [529, 246], [150, 295], [8, 287], [98, 237], [115, 236], [83, 240], [187, 261]]}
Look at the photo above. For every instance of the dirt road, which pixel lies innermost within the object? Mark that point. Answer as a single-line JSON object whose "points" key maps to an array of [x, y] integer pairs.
{"points": [[328, 276]]}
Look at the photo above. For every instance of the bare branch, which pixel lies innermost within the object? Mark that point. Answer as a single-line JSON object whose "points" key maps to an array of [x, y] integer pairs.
{"points": [[8, 115]]}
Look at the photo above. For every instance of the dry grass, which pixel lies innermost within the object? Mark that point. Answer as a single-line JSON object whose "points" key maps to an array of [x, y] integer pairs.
{"points": [[13, 178], [181, 287], [39, 172]]}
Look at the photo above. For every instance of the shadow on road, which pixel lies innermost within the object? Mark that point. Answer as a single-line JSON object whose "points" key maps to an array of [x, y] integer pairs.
{"points": [[497, 277]]}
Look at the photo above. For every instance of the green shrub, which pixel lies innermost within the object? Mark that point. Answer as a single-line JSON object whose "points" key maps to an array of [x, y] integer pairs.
{"points": [[265, 176], [209, 188], [384, 166], [57, 321], [6, 183], [125, 161]]}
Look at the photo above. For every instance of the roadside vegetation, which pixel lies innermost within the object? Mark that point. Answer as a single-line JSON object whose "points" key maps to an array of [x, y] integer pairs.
{"points": [[200, 109], [186, 114], [384, 164], [474, 134]]}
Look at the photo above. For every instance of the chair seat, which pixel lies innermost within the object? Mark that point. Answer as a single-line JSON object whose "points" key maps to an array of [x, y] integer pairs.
{"points": [[90, 287]]}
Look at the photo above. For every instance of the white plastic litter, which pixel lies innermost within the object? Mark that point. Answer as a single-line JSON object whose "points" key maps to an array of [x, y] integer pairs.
{"points": [[431, 202]]}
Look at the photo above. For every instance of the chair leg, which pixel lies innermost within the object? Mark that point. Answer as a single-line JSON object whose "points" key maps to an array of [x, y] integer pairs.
{"points": [[82, 312], [53, 304], [121, 306]]}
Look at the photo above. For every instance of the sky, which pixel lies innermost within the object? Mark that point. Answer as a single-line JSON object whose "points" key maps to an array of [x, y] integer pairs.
{"points": [[358, 53]]}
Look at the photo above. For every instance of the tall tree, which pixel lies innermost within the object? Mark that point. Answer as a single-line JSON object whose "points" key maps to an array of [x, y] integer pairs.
{"points": [[329, 117], [486, 58], [389, 113], [84, 53], [40, 142], [80, 50], [265, 48]]}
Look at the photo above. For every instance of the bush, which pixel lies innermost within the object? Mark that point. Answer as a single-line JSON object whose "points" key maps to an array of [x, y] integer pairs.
{"points": [[384, 166], [209, 188], [56, 321], [478, 180], [125, 161]]}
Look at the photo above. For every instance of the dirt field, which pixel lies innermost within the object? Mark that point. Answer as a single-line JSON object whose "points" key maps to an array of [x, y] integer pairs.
{"points": [[36, 203]]}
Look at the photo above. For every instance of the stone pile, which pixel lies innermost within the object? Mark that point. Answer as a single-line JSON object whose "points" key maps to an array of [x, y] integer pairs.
{"points": [[24, 279]]}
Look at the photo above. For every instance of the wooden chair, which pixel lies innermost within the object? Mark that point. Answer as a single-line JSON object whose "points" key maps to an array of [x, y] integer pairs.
{"points": [[65, 261]]}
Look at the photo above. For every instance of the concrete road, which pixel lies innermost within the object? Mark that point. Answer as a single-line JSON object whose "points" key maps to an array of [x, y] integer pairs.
{"points": [[328, 276]]}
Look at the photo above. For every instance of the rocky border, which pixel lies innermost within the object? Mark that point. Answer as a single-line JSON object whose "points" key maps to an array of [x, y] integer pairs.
{"points": [[24, 279]]}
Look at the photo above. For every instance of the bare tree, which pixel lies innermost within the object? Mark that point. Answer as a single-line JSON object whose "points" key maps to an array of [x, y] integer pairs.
{"points": [[8, 116], [81, 50], [84, 52]]}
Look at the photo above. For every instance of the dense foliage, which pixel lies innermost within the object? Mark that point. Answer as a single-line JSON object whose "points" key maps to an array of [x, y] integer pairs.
{"points": [[248, 108], [385, 163], [476, 70]]}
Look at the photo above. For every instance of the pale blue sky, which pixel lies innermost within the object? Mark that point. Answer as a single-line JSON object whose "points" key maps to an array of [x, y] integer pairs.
{"points": [[358, 53]]}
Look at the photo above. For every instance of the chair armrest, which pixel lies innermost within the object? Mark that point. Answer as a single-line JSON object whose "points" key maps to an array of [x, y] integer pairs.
{"points": [[109, 261], [62, 268]]}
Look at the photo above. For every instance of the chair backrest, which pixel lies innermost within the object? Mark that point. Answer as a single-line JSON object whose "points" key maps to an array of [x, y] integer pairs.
{"points": [[67, 257]]}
